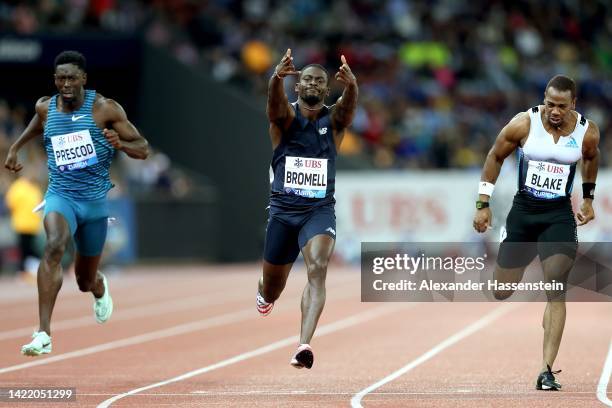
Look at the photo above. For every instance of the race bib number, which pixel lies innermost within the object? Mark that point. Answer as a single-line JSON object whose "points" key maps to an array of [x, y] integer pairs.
{"points": [[547, 180], [305, 177], [74, 151]]}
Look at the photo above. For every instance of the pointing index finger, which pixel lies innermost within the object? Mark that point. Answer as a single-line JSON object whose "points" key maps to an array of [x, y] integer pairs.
{"points": [[342, 59]]}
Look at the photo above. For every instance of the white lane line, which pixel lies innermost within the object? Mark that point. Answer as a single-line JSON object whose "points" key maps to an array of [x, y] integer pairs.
{"points": [[123, 314], [602, 387], [288, 341], [155, 309], [460, 335], [216, 321], [244, 314]]}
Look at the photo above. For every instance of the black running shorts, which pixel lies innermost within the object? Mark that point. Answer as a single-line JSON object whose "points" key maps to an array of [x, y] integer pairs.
{"points": [[535, 227]]}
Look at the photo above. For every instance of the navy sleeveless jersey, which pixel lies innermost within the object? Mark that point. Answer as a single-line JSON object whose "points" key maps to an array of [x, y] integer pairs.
{"points": [[78, 154], [303, 168]]}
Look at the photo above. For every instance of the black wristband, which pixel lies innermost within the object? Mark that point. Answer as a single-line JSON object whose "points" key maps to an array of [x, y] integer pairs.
{"points": [[588, 190]]}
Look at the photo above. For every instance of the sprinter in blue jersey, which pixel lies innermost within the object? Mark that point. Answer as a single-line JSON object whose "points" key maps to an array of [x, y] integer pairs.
{"points": [[82, 130], [306, 136]]}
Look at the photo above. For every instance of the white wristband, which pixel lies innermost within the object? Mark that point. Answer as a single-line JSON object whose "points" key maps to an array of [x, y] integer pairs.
{"points": [[486, 188]]}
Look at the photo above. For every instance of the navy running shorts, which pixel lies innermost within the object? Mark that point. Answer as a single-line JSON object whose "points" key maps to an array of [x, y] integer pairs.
{"points": [[287, 233]]}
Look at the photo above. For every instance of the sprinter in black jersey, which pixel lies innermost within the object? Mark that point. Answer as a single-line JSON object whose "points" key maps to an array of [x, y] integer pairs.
{"points": [[306, 136], [550, 139]]}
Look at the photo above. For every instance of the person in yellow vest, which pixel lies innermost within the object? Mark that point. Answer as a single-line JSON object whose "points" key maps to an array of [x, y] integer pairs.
{"points": [[23, 195]]}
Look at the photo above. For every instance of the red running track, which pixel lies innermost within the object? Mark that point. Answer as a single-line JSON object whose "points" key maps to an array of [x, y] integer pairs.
{"points": [[190, 336]]}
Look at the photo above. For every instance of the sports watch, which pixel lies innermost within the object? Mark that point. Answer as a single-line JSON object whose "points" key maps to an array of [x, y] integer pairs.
{"points": [[482, 204]]}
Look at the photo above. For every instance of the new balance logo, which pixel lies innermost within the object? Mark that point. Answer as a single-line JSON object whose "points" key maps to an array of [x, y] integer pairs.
{"points": [[571, 143], [323, 131], [331, 231], [75, 118]]}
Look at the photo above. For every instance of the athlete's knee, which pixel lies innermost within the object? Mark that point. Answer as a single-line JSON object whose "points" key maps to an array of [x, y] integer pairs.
{"points": [[54, 248], [317, 268], [556, 298], [502, 294]]}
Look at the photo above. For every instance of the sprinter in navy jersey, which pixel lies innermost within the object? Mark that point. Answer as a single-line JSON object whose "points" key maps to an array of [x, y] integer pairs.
{"points": [[81, 130], [306, 136], [550, 139]]}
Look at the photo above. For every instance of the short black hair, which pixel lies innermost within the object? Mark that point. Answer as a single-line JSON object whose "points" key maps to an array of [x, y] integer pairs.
{"points": [[71, 57], [562, 83], [321, 67]]}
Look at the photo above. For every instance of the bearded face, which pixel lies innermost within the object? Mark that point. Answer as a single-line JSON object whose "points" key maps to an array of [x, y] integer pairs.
{"points": [[312, 86]]}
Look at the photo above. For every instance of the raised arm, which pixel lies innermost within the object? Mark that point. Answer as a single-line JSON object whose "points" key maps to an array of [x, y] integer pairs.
{"points": [[278, 108], [590, 165], [280, 113], [35, 128], [507, 141], [120, 132], [345, 107]]}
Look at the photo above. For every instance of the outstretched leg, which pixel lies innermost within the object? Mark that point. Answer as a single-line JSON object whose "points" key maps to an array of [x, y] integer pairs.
{"points": [[49, 282], [317, 254], [50, 271], [555, 267]]}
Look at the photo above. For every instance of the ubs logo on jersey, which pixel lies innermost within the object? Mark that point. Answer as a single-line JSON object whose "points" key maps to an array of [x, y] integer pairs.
{"points": [[323, 131], [74, 137], [552, 169], [307, 163], [313, 164]]}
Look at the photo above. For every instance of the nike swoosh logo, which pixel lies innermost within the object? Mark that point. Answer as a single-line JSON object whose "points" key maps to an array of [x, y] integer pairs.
{"points": [[75, 118]]}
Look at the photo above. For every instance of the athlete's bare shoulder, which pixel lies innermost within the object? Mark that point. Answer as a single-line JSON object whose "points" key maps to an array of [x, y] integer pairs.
{"points": [[520, 119], [106, 103], [107, 108], [518, 127], [43, 101], [592, 133], [593, 128], [100, 101], [42, 106]]}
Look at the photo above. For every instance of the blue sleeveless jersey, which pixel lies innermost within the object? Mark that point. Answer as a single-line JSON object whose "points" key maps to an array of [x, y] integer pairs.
{"points": [[78, 154], [303, 167]]}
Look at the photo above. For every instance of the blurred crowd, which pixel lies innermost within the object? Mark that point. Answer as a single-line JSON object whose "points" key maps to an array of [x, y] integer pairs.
{"points": [[438, 79]]}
